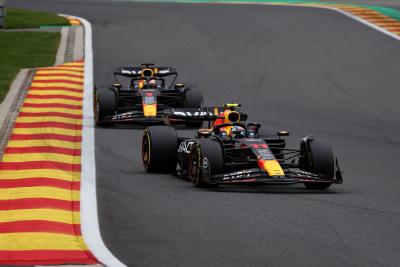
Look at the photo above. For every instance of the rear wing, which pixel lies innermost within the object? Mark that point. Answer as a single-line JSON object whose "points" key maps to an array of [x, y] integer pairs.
{"points": [[209, 114], [136, 72]]}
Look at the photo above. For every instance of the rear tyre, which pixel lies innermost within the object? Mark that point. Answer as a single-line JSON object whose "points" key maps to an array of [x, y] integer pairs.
{"points": [[159, 149], [317, 157], [106, 105], [206, 159], [193, 99]]}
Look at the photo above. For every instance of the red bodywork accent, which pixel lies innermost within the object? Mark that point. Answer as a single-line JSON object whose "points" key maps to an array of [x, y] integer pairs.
{"points": [[220, 119], [259, 146], [261, 164], [250, 180]]}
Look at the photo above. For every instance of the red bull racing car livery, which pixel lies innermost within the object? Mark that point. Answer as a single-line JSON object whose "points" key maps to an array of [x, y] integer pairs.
{"points": [[145, 96], [234, 152]]}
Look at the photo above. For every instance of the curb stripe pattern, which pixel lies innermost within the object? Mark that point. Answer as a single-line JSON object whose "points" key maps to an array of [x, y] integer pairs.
{"points": [[374, 17], [367, 14], [41, 226], [40, 174]]}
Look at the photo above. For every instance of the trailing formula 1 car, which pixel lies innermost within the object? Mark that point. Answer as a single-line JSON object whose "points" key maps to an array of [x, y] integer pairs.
{"points": [[234, 152], [144, 97]]}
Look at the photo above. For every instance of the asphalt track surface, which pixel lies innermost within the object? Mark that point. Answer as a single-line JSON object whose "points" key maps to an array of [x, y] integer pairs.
{"points": [[311, 71]]}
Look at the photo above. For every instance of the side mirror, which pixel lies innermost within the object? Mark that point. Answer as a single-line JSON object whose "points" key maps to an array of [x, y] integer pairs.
{"points": [[282, 133]]}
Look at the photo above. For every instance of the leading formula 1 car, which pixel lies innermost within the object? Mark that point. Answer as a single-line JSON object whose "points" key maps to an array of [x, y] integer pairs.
{"points": [[234, 152], [145, 97]]}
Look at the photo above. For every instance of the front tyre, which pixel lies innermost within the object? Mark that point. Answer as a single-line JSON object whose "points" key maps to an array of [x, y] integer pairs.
{"points": [[195, 165], [317, 157], [206, 159], [159, 149], [106, 105]]}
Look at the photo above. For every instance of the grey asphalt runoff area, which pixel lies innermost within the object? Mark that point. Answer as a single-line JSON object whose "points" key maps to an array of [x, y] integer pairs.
{"points": [[310, 71]]}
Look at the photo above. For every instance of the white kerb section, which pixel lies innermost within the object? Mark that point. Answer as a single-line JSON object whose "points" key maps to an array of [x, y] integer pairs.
{"points": [[89, 219]]}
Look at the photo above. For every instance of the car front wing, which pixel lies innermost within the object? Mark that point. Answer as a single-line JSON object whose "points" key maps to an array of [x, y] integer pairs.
{"points": [[256, 175]]}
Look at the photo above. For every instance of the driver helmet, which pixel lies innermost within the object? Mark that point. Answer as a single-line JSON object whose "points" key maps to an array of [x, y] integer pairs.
{"points": [[238, 132], [152, 83], [252, 131]]}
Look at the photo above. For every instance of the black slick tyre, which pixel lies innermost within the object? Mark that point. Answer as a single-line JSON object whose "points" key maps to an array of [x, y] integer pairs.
{"points": [[106, 105], [206, 155], [317, 157], [159, 149], [193, 99]]}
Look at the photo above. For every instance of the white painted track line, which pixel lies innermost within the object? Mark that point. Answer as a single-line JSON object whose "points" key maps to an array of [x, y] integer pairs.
{"points": [[89, 219]]}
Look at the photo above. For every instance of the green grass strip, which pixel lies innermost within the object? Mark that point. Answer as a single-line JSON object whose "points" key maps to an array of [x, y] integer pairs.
{"points": [[22, 19], [24, 50]]}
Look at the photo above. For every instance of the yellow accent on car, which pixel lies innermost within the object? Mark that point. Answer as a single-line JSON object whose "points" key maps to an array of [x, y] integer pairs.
{"points": [[229, 105], [146, 71], [231, 116], [273, 168], [150, 110]]}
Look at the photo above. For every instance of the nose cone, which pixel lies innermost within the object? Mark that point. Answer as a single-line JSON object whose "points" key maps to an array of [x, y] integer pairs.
{"points": [[150, 110], [272, 167]]}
